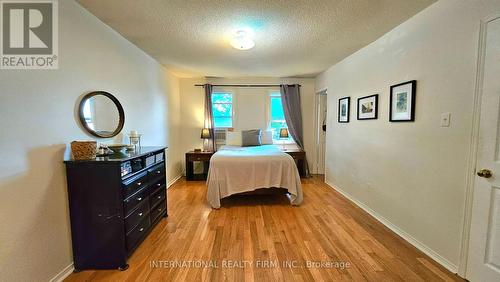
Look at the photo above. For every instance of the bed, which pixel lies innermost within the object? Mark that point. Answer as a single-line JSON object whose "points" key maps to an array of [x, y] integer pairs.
{"points": [[236, 170]]}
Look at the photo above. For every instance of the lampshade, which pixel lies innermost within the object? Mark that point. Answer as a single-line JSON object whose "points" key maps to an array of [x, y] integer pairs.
{"points": [[284, 132], [205, 133]]}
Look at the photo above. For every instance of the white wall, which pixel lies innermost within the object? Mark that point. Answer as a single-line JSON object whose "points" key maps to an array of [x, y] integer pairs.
{"points": [[38, 122], [250, 108], [411, 174]]}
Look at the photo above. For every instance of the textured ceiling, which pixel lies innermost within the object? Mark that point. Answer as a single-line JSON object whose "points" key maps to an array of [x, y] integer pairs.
{"points": [[293, 38]]}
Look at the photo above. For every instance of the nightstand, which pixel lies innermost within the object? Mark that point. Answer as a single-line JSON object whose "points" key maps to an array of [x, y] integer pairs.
{"points": [[192, 157], [299, 156]]}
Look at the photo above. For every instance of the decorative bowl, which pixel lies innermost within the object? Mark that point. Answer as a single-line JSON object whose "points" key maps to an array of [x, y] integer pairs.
{"points": [[117, 147]]}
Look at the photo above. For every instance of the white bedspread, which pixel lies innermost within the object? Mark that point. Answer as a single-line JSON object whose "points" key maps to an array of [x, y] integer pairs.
{"points": [[236, 169]]}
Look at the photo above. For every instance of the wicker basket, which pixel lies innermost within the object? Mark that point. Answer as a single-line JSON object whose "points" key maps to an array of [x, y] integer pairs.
{"points": [[84, 150]]}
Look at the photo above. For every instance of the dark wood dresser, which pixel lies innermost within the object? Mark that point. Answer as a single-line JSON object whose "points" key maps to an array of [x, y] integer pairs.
{"points": [[114, 203]]}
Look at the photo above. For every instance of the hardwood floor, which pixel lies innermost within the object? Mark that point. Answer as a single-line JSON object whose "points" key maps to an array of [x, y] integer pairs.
{"points": [[263, 238]]}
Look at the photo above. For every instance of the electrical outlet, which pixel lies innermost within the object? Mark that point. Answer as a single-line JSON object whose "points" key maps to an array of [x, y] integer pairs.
{"points": [[445, 119]]}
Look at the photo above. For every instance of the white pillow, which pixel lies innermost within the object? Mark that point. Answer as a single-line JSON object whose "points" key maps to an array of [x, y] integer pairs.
{"points": [[266, 137], [234, 138]]}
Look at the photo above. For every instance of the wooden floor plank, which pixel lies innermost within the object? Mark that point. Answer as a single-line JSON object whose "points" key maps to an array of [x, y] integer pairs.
{"points": [[264, 238]]}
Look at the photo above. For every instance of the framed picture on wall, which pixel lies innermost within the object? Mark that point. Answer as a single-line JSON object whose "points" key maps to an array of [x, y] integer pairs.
{"points": [[368, 107], [344, 105], [402, 101]]}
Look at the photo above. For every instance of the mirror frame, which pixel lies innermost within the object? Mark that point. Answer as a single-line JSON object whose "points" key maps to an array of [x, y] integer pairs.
{"points": [[121, 121]]}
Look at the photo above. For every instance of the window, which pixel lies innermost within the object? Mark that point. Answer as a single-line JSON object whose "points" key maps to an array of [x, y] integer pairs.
{"points": [[277, 117], [88, 108], [222, 107]]}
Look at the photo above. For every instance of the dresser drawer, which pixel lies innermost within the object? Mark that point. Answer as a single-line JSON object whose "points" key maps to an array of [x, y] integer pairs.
{"points": [[135, 184], [158, 210], [134, 236], [157, 184], [158, 196], [137, 215], [199, 157], [133, 201], [157, 171], [297, 154]]}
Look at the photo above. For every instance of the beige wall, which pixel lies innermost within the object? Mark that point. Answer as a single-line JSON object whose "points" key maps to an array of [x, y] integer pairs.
{"points": [[250, 108], [38, 122], [411, 174]]}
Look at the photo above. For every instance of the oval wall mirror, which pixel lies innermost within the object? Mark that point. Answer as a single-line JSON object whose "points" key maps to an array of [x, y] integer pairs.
{"points": [[101, 114]]}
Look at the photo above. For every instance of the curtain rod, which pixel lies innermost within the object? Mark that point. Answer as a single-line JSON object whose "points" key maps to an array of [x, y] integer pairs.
{"points": [[243, 85]]}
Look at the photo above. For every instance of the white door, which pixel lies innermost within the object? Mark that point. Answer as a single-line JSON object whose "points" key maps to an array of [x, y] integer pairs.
{"points": [[484, 245], [320, 133]]}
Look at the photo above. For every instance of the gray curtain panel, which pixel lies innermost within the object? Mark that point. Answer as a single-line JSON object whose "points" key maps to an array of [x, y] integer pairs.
{"points": [[290, 99], [209, 116]]}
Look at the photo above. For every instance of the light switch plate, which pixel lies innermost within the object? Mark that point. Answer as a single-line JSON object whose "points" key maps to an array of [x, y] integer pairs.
{"points": [[445, 119]]}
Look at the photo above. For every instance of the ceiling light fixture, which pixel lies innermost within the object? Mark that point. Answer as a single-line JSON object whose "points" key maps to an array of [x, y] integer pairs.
{"points": [[242, 41]]}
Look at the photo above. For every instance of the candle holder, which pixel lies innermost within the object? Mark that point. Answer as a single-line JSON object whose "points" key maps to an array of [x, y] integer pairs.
{"points": [[135, 140]]}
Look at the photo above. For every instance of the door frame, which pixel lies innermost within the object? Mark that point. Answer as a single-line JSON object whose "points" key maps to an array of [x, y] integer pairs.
{"points": [[474, 145], [323, 91]]}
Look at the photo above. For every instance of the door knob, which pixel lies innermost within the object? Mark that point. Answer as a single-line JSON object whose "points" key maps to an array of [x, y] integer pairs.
{"points": [[486, 173]]}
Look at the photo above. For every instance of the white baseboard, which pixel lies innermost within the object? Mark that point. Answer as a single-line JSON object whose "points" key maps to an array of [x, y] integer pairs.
{"points": [[63, 274], [171, 182], [419, 245]]}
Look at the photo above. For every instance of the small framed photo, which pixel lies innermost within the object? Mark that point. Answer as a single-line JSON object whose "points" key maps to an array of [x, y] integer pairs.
{"points": [[368, 107], [402, 101], [344, 105]]}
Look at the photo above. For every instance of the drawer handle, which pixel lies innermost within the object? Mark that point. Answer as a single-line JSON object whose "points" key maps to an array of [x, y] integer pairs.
{"points": [[159, 210], [139, 183], [142, 229], [158, 185], [139, 199], [140, 214], [158, 171], [159, 197]]}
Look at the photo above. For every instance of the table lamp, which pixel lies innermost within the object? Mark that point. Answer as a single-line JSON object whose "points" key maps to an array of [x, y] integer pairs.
{"points": [[205, 134], [283, 135]]}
